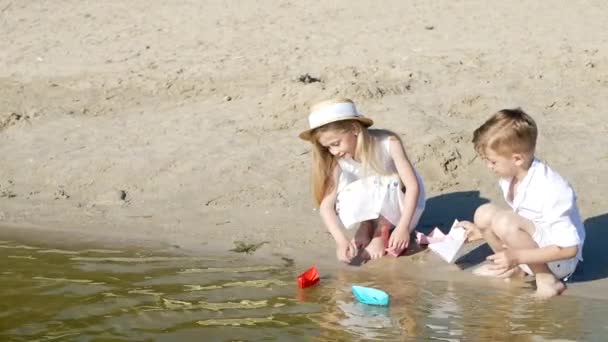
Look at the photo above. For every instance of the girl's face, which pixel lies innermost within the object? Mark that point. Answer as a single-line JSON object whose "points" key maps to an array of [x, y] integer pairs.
{"points": [[341, 144]]}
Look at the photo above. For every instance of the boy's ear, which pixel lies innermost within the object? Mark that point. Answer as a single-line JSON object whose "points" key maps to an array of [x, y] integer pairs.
{"points": [[519, 159]]}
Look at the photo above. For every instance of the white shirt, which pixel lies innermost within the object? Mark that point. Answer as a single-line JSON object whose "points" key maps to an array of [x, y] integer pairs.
{"points": [[546, 199], [365, 195]]}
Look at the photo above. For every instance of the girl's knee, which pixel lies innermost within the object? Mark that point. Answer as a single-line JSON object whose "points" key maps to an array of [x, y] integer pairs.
{"points": [[365, 227], [383, 226], [383, 222]]}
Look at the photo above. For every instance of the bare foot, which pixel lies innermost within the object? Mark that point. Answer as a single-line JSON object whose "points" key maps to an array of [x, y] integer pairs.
{"points": [[375, 249], [517, 274], [547, 286], [364, 234], [396, 252]]}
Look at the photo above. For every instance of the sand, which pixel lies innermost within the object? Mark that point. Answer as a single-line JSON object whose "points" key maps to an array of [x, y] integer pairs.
{"points": [[177, 123]]}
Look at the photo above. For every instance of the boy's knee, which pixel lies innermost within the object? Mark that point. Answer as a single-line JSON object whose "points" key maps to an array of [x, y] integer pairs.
{"points": [[484, 215], [503, 224]]}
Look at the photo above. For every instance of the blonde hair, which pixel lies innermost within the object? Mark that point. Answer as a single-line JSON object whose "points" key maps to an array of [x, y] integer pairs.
{"points": [[506, 132], [324, 163]]}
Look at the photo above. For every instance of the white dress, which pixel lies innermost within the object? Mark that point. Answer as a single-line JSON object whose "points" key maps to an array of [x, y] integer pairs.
{"points": [[365, 196]]}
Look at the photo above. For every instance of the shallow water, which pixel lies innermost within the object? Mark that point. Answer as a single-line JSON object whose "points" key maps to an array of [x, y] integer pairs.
{"points": [[135, 295]]}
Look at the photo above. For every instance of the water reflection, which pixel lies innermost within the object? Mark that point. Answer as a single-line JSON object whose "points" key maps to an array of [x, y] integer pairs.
{"points": [[97, 294], [448, 311], [59, 294]]}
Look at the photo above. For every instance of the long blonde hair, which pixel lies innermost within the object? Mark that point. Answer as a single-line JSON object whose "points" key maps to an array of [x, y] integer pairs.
{"points": [[324, 163]]}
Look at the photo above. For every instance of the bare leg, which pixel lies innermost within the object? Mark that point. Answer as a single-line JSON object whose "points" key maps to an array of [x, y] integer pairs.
{"points": [[516, 232], [484, 218], [385, 226], [377, 247], [364, 234]]}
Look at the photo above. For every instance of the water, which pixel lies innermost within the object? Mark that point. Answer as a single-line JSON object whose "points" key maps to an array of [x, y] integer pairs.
{"points": [[142, 295]]}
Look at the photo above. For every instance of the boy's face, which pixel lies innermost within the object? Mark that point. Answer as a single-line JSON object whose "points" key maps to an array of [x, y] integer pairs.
{"points": [[503, 166], [339, 144]]}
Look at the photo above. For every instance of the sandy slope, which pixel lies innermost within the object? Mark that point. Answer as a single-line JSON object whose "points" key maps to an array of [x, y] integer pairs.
{"points": [[177, 122]]}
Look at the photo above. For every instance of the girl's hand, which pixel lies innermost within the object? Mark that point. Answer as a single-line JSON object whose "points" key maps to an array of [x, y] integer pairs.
{"points": [[473, 232], [400, 239], [346, 251]]}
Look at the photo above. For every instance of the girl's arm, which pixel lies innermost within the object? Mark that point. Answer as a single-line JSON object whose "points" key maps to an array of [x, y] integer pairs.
{"points": [[346, 250], [400, 238]]}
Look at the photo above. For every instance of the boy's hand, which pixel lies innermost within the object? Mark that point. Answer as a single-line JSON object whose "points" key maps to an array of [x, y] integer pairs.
{"points": [[346, 251], [473, 233], [504, 260], [400, 239]]}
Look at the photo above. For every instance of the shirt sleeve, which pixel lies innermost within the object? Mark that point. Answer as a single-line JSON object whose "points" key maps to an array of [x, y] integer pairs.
{"points": [[558, 212]]}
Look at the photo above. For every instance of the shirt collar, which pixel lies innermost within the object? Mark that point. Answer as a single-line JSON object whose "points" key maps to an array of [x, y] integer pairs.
{"points": [[525, 183]]}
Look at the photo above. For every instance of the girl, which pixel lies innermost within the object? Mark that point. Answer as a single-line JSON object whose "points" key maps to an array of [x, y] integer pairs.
{"points": [[359, 179]]}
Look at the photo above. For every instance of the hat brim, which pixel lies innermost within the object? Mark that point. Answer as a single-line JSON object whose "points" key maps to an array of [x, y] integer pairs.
{"points": [[307, 134]]}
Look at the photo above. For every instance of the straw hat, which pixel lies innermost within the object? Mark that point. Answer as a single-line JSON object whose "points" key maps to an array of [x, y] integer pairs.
{"points": [[331, 113]]}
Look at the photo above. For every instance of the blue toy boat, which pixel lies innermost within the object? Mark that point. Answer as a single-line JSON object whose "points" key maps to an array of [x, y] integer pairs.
{"points": [[371, 296]]}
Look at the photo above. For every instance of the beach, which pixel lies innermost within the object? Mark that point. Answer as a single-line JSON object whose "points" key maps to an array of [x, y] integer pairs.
{"points": [[176, 123]]}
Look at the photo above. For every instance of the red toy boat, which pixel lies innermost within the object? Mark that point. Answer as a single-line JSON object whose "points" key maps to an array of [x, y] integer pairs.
{"points": [[309, 278]]}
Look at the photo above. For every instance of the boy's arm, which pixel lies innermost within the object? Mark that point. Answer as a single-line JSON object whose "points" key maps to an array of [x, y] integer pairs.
{"points": [[509, 258], [558, 212], [545, 254]]}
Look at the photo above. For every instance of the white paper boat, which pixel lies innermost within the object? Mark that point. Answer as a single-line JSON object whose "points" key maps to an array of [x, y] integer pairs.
{"points": [[449, 249], [435, 236]]}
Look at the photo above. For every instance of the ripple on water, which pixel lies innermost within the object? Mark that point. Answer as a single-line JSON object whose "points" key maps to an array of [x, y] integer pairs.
{"points": [[103, 294]]}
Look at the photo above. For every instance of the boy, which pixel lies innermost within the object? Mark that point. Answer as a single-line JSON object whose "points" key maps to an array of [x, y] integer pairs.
{"points": [[543, 232]]}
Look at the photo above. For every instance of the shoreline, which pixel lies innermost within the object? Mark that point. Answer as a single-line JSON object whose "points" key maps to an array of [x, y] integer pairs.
{"points": [[422, 265]]}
